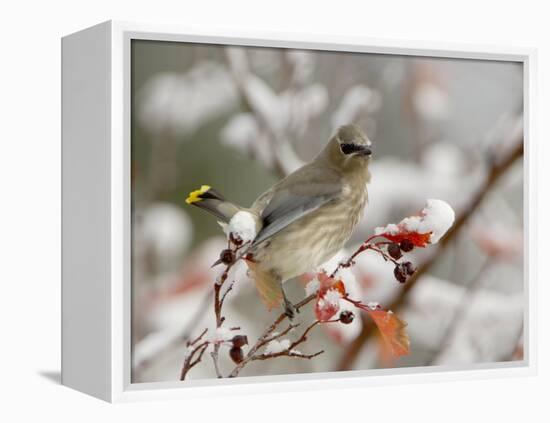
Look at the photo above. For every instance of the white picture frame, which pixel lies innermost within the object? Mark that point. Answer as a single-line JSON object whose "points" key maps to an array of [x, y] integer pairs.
{"points": [[96, 213]]}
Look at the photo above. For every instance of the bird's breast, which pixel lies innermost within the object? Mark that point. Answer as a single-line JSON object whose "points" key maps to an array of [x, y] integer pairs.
{"points": [[315, 238]]}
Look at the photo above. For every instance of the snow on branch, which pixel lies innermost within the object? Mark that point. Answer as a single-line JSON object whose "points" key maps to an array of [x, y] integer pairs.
{"points": [[426, 228]]}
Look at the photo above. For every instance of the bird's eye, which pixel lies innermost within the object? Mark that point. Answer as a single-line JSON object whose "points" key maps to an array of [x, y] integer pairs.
{"points": [[347, 148]]}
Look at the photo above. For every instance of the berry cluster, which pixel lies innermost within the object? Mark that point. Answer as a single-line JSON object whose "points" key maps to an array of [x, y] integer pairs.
{"points": [[404, 270], [236, 352]]}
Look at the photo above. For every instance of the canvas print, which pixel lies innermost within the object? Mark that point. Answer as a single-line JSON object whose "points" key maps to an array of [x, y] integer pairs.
{"points": [[301, 211]]}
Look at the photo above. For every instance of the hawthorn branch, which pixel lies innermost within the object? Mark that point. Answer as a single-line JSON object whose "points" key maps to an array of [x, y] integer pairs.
{"points": [[496, 169]]}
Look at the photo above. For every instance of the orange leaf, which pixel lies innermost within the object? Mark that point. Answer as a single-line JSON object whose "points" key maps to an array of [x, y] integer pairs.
{"points": [[394, 336]]}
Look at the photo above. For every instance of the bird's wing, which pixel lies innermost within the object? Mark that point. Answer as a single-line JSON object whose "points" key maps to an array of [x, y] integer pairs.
{"points": [[293, 202]]}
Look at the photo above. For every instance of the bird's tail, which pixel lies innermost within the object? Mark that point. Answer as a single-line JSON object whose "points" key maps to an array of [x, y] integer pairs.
{"points": [[268, 286], [210, 200]]}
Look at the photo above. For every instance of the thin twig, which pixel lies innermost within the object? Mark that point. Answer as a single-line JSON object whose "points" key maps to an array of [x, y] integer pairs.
{"points": [[198, 338], [287, 352], [189, 362], [229, 288], [266, 334], [351, 260], [280, 334]]}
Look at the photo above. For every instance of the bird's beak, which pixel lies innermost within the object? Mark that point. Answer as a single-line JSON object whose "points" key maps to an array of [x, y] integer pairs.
{"points": [[364, 151]]}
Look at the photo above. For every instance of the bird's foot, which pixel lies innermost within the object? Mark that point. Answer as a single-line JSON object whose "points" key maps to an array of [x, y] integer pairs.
{"points": [[290, 309]]}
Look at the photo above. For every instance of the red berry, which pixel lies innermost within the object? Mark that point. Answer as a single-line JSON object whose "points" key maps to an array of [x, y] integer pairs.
{"points": [[406, 245], [235, 239], [236, 354], [346, 317], [394, 251], [409, 268], [239, 340], [400, 273], [227, 256]]}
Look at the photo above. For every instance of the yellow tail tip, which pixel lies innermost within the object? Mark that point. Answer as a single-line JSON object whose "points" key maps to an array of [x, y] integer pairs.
{"points": [[195, 196]]}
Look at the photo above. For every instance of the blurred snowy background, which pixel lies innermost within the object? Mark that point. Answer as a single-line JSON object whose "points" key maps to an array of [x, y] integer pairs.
{"points": [[240, 119]]}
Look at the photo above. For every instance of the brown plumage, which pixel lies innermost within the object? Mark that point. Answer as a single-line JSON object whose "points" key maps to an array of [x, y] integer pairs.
{"points": [[305, 218]]}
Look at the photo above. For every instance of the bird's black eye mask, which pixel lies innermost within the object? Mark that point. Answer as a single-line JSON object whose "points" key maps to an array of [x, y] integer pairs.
{"points": [[348, 148]]}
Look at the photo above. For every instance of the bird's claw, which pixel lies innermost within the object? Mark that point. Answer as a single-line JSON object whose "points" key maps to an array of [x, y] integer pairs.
{"points": [[290, 309]]}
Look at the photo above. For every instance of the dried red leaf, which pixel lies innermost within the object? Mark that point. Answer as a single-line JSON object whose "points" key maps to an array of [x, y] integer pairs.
{"points": [[324, 310], [418, 239], [325, 307], [326, 283], [392, 329]]}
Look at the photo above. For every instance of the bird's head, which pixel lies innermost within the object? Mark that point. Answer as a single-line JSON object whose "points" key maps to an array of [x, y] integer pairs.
{"points": [[349, 148]]}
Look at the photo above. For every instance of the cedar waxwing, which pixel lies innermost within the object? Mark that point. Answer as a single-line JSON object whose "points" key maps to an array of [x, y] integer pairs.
{"points": [[306, 218]]}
